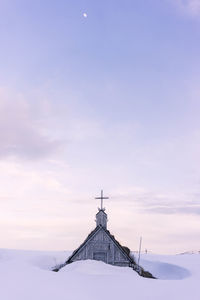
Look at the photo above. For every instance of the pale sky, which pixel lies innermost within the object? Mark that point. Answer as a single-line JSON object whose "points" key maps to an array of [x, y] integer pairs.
{"points": [[107, 100]]}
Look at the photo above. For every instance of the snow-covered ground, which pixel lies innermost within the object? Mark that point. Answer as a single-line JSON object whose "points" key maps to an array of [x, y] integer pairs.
{"points": [[27, 275]]}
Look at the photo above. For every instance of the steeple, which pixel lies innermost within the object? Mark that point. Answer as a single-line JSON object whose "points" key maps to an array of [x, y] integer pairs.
{"points": [[101, 216]]}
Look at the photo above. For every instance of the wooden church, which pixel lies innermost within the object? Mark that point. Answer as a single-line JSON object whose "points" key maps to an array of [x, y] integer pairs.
{"points": [[101, 245]]}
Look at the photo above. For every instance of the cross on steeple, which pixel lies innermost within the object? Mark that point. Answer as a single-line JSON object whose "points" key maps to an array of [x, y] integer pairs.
{"points": [[102, 198]]}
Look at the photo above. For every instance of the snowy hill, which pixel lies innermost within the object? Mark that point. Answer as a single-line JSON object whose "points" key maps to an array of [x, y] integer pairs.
{"points": [[27, 275]]}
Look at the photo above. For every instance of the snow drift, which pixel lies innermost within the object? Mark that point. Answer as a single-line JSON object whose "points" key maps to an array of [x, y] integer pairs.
{"points": [[27, 275]]}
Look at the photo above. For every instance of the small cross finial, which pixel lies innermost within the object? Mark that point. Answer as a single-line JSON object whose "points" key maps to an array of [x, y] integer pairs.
{"points": [[102, 198]]}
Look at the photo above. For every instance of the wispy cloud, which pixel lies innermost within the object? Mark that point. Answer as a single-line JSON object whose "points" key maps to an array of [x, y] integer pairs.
{"points": [[20, 135], [150, 202], [191, 7], [174, 210]]}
